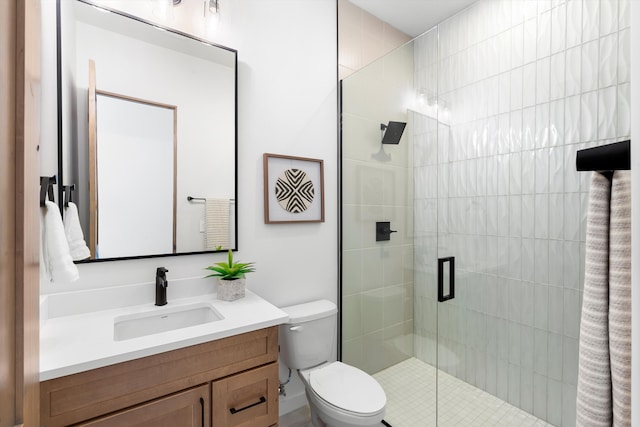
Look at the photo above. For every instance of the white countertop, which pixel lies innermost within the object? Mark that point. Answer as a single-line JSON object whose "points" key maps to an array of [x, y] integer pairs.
{"points": [[77, 342]]}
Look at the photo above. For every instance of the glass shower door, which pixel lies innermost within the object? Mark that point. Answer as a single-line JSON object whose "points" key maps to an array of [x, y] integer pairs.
{"points": [[387, 286], [425, 304], [485, 344]]}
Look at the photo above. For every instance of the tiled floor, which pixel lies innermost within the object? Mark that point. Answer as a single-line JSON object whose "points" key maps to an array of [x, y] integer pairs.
{"points": [[298, 418], [411, 401]]}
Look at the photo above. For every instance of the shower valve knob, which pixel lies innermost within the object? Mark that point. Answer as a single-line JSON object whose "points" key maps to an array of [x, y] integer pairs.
{"points": [[383, 231]]}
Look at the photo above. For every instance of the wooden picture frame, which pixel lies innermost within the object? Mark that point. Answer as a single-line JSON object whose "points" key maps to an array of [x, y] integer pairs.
{"points": [[293, 189]]}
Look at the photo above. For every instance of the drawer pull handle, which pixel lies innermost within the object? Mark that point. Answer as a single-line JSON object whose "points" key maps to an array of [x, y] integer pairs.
{"points": [[235, 411], [202, 410]]}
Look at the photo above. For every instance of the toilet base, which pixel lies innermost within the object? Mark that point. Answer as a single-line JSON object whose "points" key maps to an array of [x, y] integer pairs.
{"points": [[322, 418], [316, 421]]}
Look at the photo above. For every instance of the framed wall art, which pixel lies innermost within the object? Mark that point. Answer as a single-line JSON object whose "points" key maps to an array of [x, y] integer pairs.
{"points": [[293, 189]]}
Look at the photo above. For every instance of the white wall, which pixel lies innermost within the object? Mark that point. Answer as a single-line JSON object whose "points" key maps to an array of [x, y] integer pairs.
{"points": [[287, 54], [48, 99]]}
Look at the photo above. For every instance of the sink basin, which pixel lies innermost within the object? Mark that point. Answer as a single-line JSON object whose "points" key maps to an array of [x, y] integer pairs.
{"points": [[163, 320]]}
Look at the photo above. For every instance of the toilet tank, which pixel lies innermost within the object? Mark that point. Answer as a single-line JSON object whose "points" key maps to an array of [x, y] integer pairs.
{"points": [[308, 337]]}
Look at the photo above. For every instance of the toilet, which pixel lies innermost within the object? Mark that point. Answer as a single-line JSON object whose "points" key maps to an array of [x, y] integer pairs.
{"points": [[339, 395]]}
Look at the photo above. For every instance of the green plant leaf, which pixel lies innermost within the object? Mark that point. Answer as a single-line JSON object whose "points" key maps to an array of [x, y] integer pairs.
{"points": [[230, 270]]}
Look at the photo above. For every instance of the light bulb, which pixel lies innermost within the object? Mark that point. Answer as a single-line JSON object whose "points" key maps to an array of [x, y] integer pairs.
{"points": [[213, 6]]}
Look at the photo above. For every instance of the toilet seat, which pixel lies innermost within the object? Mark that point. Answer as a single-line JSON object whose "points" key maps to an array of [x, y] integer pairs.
{"points": [[347, 388]]}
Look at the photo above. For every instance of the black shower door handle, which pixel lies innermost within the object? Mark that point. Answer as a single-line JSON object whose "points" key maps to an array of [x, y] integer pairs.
{"points": [[452, 278]]}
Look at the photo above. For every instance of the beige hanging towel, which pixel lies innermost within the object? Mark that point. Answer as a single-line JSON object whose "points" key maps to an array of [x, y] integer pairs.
{"points": [[604, 371], [620, 297], [217, 224], [593, 403]]}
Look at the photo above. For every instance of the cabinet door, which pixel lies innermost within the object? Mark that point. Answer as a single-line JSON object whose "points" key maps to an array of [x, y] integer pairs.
{"points": [[186, 408], [247, 399]]}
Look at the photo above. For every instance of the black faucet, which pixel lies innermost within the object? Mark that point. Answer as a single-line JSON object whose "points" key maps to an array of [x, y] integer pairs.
{"points": [[161, 286]]}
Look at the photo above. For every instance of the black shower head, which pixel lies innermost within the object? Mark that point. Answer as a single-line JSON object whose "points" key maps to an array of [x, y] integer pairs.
{"points": [[393, 132]]}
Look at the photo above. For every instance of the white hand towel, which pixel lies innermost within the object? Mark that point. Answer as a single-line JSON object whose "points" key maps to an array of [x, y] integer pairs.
{"points": [[77, 245], [56, 259]]}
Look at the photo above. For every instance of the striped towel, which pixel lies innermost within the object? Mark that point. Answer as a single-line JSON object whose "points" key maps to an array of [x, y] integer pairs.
{"points": [[217, 223], [620, 297], [604, 367]]}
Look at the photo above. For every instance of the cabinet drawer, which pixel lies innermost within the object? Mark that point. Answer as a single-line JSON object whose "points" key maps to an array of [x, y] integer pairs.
{"points": [[246, 399], [86, 395], [189, 408]]}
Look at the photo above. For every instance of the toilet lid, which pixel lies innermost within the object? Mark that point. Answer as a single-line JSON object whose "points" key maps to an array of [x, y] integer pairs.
{"points": [[348, 388]]}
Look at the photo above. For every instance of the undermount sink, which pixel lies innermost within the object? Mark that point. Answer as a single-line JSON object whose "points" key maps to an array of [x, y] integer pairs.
{"points": [[163, 320]]}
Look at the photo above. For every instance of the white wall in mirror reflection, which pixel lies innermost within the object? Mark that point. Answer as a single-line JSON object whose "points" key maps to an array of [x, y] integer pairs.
{"points": [[204, 93]]}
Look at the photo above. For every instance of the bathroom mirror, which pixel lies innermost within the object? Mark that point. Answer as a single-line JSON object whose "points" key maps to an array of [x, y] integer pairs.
{"points": [[121, 81]]}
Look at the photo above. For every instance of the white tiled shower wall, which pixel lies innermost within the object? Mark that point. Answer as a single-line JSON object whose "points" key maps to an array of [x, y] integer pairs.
{"points": [[520, 86]]}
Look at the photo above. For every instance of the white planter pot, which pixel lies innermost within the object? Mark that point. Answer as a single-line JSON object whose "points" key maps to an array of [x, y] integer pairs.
{"points": [[230, 290]]}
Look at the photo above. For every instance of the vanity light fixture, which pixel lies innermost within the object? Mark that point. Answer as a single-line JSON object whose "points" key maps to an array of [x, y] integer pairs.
{"points": [[212, 7], [211, 14]]}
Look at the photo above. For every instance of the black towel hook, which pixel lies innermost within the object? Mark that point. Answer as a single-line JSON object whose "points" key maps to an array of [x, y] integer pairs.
{"points": [[46, 189], [68, 194]]}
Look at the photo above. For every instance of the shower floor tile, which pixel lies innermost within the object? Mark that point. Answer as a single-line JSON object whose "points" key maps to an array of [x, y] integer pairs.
{"points": [[411, 400]]}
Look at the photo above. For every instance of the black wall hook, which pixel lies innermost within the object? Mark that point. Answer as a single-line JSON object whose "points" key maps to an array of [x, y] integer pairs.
{"points": [[68, 194], [46, 189]]}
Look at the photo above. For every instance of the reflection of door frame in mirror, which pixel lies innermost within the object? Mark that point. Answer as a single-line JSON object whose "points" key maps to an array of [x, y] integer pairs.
{"points": [[93, 202], [93, 157]]}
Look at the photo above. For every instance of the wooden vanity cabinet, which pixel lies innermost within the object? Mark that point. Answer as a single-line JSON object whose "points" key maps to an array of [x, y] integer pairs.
{"points": [[189, 408], [246, 399], [228, 382]]}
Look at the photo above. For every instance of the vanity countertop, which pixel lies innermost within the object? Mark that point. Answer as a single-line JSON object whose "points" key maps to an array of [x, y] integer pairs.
{"points": [[79, 342]]}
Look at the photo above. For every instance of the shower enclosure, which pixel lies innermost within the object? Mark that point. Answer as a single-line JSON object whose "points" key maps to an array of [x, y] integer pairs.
{"points": [[483, 183]]}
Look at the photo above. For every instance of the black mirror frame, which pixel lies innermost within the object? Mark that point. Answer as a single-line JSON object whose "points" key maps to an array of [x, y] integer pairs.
{"points": [[60, 176]]}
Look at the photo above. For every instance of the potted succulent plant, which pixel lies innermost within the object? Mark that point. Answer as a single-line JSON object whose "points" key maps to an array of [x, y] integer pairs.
{"points": [[230, 277]]}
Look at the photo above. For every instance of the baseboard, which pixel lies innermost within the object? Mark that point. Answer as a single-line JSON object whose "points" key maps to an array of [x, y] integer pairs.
{"points": [[291, 402]]}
